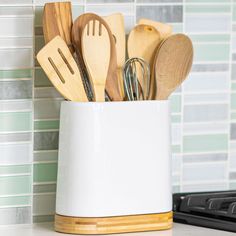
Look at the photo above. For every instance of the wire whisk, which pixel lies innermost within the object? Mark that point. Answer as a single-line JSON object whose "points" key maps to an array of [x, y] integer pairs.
{"points": [[136, 75]]}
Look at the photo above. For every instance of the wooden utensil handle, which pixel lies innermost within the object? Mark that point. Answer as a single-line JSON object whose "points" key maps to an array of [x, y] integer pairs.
{"points": [[99, 92]]}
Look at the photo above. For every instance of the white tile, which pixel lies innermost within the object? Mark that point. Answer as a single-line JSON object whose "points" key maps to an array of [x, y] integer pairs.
{"points": [[16, 42], [208, 112], [15, 105], [17, 27], [207, 82], [207, 23], [205, 187], [13, 11], [16, 153], [16, 58], [206, 98], [206, 128], [205, 172]]}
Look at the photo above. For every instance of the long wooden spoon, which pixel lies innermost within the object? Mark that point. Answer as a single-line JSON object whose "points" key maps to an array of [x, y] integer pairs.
{"points": [[164, 29], [57, 20], [172, 64], [116, 23], [143, 41]]}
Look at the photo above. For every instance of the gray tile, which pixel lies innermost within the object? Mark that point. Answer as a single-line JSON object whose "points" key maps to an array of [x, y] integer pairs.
{"points": [[44, 218], [46, 140], [198, 113], [209, 67], [233, 131], [160, 13], [109, 1], [205, 157], [16, 215], [234, 56], [21, 89], [19, 137], [233, 73], [45, 188], [232, 175]]}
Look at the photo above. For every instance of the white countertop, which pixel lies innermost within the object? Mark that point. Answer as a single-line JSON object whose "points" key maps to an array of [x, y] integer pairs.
{"points": [[46, 229]]}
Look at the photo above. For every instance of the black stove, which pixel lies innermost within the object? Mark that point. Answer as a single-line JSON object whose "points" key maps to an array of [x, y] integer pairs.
{"points": [[215, 210]]}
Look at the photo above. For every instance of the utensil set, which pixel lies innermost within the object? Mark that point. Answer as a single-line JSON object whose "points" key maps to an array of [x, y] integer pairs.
{"points": [[85, 60]]}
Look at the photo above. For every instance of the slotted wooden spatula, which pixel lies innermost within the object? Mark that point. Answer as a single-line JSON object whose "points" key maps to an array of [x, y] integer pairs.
{"points": [[96, 51], [59, 65], [57, 20]]}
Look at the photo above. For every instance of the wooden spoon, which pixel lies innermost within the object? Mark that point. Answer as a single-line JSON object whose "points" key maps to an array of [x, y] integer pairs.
{"points": [[143, 41], [61, 68], [117, 26], [57, 20], [172, 64], [96, 53], [112, 86], [164, 29]]}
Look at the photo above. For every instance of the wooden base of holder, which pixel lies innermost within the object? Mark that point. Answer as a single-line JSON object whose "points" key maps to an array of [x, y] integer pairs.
{"points": [[115, 224]]}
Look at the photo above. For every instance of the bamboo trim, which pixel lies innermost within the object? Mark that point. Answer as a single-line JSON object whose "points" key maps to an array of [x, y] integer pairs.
{"points": [[115, 224]]}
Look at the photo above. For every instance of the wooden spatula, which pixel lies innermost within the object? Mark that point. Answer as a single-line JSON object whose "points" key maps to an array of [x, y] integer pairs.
{"points": [[57, 20], [143, 41], [116, 23], [173, 62], [112, 86], [96, 53], [59, 65], [164, 29]]}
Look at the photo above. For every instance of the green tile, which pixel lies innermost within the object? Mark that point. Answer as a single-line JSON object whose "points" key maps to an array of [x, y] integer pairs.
{"points": [[45, 172], [208, 1], [13, 74], [233, 101], [15, 169], [233, 115], [15, 201], [234, 13], [211, 52], [208, 8], [15, 185], [175, 148], [46, 218], [41, 80], [175, 103], [175, 189], [15, 121], [210, 37], [175, 118], [233, 86], [46, 124], [205, 143]]}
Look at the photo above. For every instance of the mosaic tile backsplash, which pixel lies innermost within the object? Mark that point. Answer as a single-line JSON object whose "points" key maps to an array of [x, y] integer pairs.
{"points": [[203, 109]]}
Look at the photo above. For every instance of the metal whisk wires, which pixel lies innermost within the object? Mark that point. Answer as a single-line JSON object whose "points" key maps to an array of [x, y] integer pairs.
{"points": [[136, 75]]}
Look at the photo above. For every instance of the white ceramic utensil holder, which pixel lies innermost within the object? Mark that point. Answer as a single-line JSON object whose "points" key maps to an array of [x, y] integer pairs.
{"points": [[114, 169]]}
